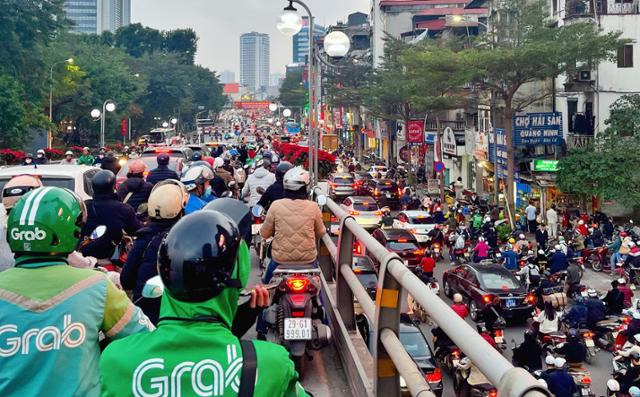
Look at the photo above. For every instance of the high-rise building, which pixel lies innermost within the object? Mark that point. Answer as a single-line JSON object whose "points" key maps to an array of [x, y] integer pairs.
{"points": [[97, 16], [227, 77], [275, 78], [301, 40], [254, 61]]}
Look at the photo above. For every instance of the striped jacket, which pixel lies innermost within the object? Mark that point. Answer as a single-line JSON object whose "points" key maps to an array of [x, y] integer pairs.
{"points": [[51, 316]]}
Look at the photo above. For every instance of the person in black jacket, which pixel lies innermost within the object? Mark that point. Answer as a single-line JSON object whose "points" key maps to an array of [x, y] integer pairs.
{"points": [[542, 236], [574, 350], [528, 353], [162, 172], [135, 190], [276, 190], [165, 207], [106, 210], [110, 162], [614, 299]]}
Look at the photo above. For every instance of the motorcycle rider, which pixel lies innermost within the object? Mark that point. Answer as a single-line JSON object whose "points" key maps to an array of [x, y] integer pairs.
{"points": [[480, 251], [68, 159], [633, 262], [86, 158], [135, 190], [41, 157], [295, 224], [276, 190], [522, 245], [106, 210], [632, 376], [528, 353], [541, 261], [197, 180], [614, 299], [459, 306], [626, 291], [558, 261], [531, 274], [484, 332], [574, 350], [204, 264], [510, 258], [166, 206], [559, 382], [162, 171], [61, 307], [260, 178], [573, 277], [427, 264]]}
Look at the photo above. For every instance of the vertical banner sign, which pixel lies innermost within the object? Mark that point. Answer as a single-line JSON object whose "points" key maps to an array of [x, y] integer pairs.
{"points": [[501, 136], [124, 127], [449, 145], [537, 129], [415, 131]]}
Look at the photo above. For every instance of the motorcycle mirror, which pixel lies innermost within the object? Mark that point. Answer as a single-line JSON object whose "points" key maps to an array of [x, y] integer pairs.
{"points": [[321, 200], [153, 288], [98, 232], [257, 211]]}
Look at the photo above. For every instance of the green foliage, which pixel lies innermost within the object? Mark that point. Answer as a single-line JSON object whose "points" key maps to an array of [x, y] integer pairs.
{"points": [[349, 83], [292, 91], [16, 117], [138, 40], [609, 169]]}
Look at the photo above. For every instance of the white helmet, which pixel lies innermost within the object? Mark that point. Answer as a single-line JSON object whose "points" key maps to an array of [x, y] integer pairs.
{"points": [[580, 222], [195, 176], [613, 385], [559, 362], [457, 298], [218, 162], [480, 238], [557, 247], [295, 179], [522, 236], [487, 219], [540, 252], [167, 200], [464, 363], [68, 153]]}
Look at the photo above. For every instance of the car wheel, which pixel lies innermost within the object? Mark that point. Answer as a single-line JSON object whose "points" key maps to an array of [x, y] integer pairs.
{"points": [[473, 310], [447, 289]]}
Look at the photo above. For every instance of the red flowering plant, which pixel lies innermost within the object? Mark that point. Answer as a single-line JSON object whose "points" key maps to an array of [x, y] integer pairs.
{"points": [[11, 157], [76, 149], [299, 155], [54, 154]]}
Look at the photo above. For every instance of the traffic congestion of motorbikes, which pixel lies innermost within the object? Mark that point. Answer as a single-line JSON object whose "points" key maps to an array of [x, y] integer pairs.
{"points": [[496, 274]]}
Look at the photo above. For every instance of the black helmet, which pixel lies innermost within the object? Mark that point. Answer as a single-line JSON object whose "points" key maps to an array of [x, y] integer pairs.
{"points": [[573, 334], [282, 169], [236, 210], [196, 156], [197, 258], [104, 181]]}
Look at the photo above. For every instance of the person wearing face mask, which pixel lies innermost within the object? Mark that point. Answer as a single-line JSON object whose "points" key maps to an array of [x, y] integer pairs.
{"points": [[41, 158], [68, 159], [197, 180], [100, 157], [28, 160]]}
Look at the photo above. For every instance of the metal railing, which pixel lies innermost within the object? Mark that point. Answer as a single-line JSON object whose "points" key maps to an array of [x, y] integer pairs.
{"points": [[390, 358]]}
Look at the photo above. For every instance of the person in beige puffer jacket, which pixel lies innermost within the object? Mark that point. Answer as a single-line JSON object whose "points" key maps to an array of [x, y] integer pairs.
{"points": [[295, 224]]}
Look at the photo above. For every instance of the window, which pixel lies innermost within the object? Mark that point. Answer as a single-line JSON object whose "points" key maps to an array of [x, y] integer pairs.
{"points": [[625, 56]]}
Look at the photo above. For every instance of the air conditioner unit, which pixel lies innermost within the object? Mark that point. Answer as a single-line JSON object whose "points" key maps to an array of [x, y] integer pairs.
{"points": [[584, 75]]}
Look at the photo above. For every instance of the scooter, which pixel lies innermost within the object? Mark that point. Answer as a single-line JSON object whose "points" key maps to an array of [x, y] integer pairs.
{"points": [[296, 313]]}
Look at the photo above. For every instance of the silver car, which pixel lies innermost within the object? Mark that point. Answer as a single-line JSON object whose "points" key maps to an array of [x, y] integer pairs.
{"points": [[364, 210], [341, 185]]}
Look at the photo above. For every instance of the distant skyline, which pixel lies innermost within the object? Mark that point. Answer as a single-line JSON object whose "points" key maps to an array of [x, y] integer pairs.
{"points": [[219, 24]]}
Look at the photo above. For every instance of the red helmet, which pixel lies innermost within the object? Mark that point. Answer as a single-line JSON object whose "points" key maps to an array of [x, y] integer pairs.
{"points": [[623, 234]]}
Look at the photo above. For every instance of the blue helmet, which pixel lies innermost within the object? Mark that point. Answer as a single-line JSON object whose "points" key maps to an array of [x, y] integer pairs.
{"points": [[234, 152]]}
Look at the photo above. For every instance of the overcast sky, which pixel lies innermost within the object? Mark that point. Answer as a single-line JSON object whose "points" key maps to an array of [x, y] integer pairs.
{"points": [[219, 24]]}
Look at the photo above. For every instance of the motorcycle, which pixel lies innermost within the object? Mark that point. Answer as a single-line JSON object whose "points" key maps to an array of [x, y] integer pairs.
{"points": [[582, 379], [552, 341], [473, 386], [596, 258], [588, 339], [296, 313]]}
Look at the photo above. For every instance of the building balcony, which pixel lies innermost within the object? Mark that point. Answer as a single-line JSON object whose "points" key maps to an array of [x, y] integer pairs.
{"points": [[579, 140], [593, 8], [456, 126]]}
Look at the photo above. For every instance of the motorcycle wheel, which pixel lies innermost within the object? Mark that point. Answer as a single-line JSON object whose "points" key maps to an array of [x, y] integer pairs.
{"points": [[596, 265]]}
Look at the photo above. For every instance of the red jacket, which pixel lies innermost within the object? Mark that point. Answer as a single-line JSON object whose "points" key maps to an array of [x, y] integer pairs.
{"points": [[628, 295], [427, 264], [460, 309]]}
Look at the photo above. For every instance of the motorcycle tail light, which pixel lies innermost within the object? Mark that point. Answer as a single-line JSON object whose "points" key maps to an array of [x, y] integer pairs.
{"points": [[435, 376], [399, 192], [297, 313], [586, 380], [378, 213], [498, 332], [588, 335], [493, 393], [298, 284], [357, 248], [297, 300], [626, 320], [531, 298]]}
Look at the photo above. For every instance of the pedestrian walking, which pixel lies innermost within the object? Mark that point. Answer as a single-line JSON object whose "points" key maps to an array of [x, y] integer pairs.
{"points": [[531, 212], [552, 221]]}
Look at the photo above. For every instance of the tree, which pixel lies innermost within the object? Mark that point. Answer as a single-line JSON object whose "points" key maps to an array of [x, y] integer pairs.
{"points": [[138, 40], [609, 168], [16, 115], [525, 47], [348, 83], [292, 91], [183, 42]]}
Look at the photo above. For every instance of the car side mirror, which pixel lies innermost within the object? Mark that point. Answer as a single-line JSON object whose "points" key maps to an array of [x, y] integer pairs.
{"points": [[321, 200], [153, 288]]}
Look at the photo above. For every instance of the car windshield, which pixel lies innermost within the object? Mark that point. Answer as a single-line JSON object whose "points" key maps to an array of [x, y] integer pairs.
{"points": [[499, 281], [404, 246], [372, 206], [420, 220], [57, 181], [368, 280], [415, 344]]}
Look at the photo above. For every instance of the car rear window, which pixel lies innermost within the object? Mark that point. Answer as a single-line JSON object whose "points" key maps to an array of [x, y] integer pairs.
{"points": [[387, 185], [402, 246], [340, 180], [368, 280], [365, 206], [67, 183], [498, 281], [421, 220], [415, 344], [152, 163]]}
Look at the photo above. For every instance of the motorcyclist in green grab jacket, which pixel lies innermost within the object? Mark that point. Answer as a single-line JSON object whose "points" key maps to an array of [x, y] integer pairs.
{"points": [[51, 313], [204, 264]]}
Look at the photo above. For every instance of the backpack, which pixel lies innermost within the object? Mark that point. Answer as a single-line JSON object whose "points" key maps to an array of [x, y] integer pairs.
{"points": [[459, 242]]}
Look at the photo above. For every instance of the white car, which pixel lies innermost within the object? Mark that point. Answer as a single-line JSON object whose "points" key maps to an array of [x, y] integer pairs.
{"points": [[72, 177], [419, 223], [381, 169], [364, 210]]}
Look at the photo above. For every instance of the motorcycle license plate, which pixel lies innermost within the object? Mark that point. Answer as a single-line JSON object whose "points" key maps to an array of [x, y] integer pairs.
{"points": [[585, 392], [297, 328], [589, 343], [583, 293], [510, 303], [499, 339], [255, 228]]}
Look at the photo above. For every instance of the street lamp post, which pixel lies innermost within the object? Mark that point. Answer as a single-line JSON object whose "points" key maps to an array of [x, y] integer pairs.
{"points": [[50, 135], [107, 106]]}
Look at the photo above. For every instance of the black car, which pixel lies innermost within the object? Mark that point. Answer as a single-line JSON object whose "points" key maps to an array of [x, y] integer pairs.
{"points": [[402, 242], [385, 191], [482, 284], [360, 177], [363, 268], [416, 345]]}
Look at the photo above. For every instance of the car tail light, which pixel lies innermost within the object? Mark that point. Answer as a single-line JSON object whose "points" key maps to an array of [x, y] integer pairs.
{"points": [[626, 320], [487, 298], [531, 298], [402, 240], [435, 376], [376, 192], [493, 393], [297, 300], [297, 313], [399, 192], [354, 213], [357, 248], [418, 252], [334, 219], [298, 284]]}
